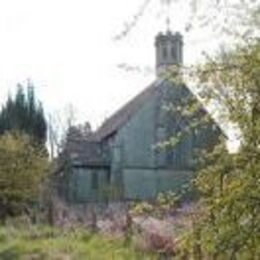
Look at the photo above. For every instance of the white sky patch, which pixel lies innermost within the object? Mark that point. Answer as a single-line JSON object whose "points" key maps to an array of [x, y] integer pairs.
{"points": [[66, 48]]}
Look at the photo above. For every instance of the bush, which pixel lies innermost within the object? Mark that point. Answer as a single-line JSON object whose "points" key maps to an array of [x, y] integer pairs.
{"points": [[43, 242], [23, 167]]}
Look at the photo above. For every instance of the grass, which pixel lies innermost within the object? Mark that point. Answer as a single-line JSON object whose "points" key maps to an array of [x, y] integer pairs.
{"points": [[44, 242]]}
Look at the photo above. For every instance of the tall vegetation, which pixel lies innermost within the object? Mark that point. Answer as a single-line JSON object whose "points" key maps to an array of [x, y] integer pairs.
{"points": [[23, 167], [228, 223], [23, 157], [23, 113], [229, 184]]}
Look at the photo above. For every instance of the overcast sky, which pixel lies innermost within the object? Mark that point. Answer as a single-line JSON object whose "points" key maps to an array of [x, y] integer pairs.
{"points": [[67, 49]]}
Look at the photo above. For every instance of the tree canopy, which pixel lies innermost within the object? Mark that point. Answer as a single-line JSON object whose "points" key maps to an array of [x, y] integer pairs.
{"points": [[23, 167], [24, 113], [228, 222]]}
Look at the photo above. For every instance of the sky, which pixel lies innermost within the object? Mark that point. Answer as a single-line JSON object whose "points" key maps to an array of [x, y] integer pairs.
{"points": [[69, 50]]}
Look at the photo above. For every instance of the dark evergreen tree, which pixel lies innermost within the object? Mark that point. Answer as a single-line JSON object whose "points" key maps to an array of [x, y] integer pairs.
{"points": [[23, 113]]}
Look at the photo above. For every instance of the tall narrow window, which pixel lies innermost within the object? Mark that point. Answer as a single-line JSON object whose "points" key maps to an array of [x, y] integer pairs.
{"points": [[117, 153], [173, 53], [94, 180], [108, 176], [161, 151], [164, 52]]}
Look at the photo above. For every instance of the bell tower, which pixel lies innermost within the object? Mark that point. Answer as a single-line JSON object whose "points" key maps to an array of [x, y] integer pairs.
{"points": [[169, 51]]}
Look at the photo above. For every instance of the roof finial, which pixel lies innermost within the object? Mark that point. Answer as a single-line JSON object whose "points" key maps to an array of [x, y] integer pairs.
{"points": [[168, 24], [168, 14]]}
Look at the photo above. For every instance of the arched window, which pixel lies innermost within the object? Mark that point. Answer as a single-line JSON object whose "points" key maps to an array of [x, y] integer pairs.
{"points": [[164, 50], [161, 134], [173, 53], [161, 151], [94, 180]]}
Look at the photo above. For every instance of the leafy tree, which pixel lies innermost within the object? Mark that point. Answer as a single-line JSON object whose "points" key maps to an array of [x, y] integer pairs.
{"points": [[228, 226], [23, 167], [23, 113], [233, 203]]}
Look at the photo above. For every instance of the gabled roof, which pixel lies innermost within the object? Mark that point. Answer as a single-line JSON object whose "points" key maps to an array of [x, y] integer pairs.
{"points": [[88, 151], [116, 121], [84, 152], [122, 116]]}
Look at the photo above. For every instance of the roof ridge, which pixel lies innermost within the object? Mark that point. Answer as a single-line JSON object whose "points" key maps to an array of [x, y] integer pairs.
{"points": [[120, 117]]}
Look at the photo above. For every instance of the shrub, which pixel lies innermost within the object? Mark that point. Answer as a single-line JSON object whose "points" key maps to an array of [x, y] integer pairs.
{"points": [[23, 167]]}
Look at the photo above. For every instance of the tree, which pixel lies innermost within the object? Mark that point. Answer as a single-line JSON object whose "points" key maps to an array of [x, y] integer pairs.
{"points": [[59, 125], [229, 184], [228, 226], [23, 167], [24, 113]]}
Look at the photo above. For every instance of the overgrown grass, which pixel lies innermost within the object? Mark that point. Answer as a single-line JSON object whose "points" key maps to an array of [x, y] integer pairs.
{"points": [[43, 242]]}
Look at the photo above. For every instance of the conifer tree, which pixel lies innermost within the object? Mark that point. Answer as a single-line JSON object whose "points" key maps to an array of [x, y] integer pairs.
{"points": [[23, 113]]}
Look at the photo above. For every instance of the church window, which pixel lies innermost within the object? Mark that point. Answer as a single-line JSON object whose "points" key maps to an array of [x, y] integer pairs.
{"points": [[196, 137], [94, 180], [117, 154], [108, 176], [161, 134], [173, 53], [161, 152], [164, 52]]}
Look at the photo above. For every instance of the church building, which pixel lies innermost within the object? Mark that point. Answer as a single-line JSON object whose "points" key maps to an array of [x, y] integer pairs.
{"points": [[130, 157]]}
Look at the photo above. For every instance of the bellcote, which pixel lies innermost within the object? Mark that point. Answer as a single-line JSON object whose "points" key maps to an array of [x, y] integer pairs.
{"points": [[169, 50]]}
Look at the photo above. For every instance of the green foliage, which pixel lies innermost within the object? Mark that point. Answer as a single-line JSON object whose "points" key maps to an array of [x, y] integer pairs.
{"points": [[232, 80], [43, 242], [142, 208], [165, 203], [168, 201], [228, 223], [23, 113], [23, 167]]}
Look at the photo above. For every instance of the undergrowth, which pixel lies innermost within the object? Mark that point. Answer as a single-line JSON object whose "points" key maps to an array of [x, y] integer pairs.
{"points": [[44, 242]]}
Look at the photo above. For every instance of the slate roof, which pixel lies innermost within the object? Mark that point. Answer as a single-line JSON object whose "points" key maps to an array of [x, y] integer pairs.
{"points": [[84, 152], [116, 121], [122, 116], [89, 151]]}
